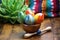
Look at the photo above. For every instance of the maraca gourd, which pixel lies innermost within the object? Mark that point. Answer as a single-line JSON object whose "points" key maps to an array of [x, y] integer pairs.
{"points": [[29, 19], [29, 11], [39, 17]]}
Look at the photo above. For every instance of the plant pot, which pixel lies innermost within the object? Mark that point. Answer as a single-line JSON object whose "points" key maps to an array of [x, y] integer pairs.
{"points": [[31, 28]]}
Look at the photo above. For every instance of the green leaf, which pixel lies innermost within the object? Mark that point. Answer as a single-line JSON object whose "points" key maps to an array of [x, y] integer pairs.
{"points": [[20, 4], [4, 2], [2, 10], [25, 7], [12, 21], [1, 15]]}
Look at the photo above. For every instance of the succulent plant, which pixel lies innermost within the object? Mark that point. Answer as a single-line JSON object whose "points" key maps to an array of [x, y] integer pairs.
{"points": [[9, 9]]}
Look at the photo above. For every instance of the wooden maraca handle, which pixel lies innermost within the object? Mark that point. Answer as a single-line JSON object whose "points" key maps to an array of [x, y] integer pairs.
{"points": [[45, 30], [42, 32]]}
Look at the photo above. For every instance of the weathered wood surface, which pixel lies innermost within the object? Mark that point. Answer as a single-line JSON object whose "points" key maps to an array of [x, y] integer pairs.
{"points": [[56, 28], [15, 32]]}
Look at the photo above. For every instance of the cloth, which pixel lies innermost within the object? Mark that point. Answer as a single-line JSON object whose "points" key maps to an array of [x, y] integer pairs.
{"points": [[50, 8]]}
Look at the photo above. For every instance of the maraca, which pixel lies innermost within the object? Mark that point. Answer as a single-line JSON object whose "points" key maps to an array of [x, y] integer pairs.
{"points": [[39, 17], [29, 11], [29, 19], [21, 17]]}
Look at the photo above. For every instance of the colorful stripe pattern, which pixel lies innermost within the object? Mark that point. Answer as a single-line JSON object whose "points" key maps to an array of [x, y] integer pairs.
{"points": [[50, 8], [35, 5]]}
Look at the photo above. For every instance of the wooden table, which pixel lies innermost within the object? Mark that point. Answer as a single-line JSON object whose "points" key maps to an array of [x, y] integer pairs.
{"points": [[15, 32], [56, 28]]}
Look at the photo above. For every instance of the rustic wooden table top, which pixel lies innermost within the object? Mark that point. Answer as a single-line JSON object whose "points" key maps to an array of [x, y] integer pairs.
{"points": [[15, 32]]}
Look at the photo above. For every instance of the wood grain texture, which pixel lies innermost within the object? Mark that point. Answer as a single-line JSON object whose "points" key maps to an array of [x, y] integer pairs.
{"points": [[56, 28], [16, 32]]}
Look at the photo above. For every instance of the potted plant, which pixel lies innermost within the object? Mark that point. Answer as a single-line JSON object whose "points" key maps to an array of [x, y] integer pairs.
{"points": [[9, 10]]}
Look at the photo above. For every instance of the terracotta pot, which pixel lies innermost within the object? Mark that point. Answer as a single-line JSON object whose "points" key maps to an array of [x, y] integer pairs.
{"points": [[31, 28]]}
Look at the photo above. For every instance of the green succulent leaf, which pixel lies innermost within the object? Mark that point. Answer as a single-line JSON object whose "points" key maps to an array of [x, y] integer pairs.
{"points": [[4, 3], [2, 10], [10, 9], [25, 7]]}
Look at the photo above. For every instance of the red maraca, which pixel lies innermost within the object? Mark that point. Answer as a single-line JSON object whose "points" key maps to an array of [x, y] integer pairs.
{"points": [[29, 12]]}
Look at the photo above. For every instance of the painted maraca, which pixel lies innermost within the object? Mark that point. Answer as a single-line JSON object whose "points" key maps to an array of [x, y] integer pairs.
{"points": [[29, 19], [29, 11], [39, 17], [21, 17]]}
